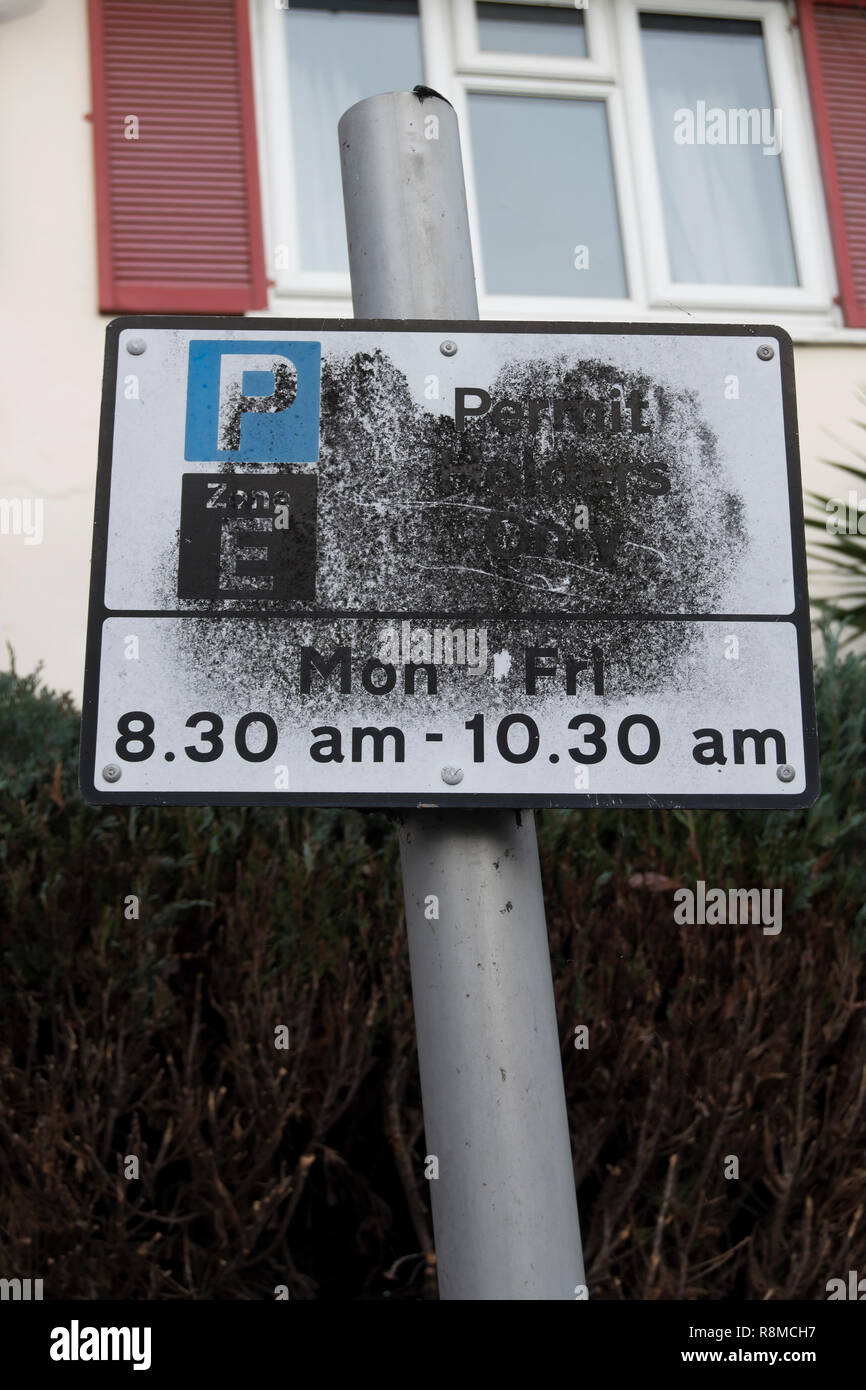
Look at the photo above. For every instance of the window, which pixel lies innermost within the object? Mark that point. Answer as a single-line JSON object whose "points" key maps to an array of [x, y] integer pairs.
{"points": [[335, 58], [548, 30], [725, 167], [622, 159], [542, 169], [723, 197]]}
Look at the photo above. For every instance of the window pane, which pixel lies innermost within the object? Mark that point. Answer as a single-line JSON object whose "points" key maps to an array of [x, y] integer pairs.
{"points": [[543, 29], [717, 140], [546, 197], [339, 54]]}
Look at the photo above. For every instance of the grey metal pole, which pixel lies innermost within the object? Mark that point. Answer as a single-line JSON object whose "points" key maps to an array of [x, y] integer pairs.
{"points": [[504, 1203]]}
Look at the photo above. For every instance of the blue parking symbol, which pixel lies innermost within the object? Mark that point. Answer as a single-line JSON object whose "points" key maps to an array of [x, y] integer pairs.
{"points": [[253, 402]]}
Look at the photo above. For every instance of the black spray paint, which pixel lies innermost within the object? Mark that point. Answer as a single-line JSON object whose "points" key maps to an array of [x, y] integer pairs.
{"points": [[416, 517]]}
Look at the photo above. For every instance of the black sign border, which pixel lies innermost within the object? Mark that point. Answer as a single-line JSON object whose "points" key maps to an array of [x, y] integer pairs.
{"points": [[98, 613]]}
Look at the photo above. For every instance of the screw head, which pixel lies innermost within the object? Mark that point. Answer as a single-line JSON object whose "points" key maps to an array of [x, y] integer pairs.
{"points": [[786, 773], [111, 772], [448, 348], [136, 346], [765, 352], [452, 775]]}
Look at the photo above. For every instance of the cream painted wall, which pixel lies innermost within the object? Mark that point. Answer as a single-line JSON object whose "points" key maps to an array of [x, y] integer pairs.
{"points": [[827, 407], [52, 341]]}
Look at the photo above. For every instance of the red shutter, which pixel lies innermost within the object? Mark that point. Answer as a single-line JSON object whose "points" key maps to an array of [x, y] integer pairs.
{"points": [[178, 210], [834, 47]]}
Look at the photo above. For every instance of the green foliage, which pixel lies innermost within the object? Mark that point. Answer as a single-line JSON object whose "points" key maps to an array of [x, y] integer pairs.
{"points": [[38, 731], [843, 555], [808, 853]]}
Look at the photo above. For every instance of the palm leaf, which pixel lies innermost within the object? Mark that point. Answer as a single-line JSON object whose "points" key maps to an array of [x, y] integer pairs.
{"points": [[842, 555]]}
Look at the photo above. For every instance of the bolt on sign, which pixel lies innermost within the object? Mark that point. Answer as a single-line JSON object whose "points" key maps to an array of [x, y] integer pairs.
{"points": [[413, 564]]}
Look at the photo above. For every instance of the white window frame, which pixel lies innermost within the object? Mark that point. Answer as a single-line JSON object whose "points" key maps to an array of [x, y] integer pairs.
{"points": [[471, 58], [814, 292], [274, 109], [454, 66], [554, 306]]}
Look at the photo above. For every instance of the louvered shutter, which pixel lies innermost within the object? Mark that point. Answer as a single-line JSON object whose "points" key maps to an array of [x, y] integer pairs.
{"points": [[834, 48], [178, 209]]}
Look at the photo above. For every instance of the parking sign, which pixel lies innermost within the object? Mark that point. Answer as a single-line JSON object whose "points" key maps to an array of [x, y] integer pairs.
{"points": [[388, 563]]}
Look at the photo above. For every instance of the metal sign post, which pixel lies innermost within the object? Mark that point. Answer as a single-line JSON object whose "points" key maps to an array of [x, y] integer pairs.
{"points": [[504, 1202]]}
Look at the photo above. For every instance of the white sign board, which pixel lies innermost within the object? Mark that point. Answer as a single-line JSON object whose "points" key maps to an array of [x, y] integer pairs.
{"points": [[360, 563]]}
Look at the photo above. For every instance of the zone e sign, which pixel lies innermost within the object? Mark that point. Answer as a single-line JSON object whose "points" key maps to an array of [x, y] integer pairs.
{"points": [[413, 564]]}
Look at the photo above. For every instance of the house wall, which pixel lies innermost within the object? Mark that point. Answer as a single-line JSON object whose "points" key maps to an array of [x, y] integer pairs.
{"points": [[52, 341]]}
